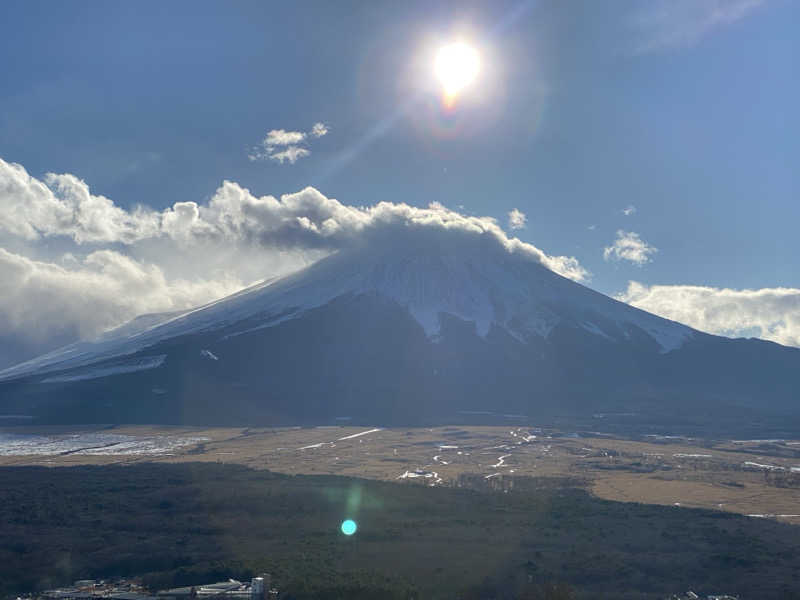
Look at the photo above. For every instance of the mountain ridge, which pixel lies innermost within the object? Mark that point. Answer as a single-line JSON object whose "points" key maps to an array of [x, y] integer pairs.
{"points": [[428, 284]]}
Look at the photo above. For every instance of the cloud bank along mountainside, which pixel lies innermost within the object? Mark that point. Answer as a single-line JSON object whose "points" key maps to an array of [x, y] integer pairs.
{"points": [[769, 313], [75, 264]]}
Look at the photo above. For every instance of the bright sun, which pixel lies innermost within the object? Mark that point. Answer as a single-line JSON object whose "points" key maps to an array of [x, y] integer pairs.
{"points": [[457, 66]]}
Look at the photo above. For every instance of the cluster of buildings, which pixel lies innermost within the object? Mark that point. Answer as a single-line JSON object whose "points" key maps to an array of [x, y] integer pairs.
{"points": [[91, 589], [690, 595], [258, 588]]}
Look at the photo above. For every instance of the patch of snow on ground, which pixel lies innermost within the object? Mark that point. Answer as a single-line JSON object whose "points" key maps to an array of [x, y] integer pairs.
{"points": [[501, 461], [355, 435], [93, 443], [419, 473], [762, 466], [320, 445]]}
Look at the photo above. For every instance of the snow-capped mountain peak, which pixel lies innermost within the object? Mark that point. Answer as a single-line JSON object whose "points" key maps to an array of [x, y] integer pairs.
{"points": [[483, 284]]}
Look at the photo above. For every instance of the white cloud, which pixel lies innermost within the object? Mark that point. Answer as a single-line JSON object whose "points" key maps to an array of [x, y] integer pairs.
{"points": [[76, 262], [62, 205], [517, 219], [664, 24], [44, 299], [769, 313], [629, 210], [318, 130], [302, 220], [629, 246], [283, 146], [281, 137], [291, 154]]}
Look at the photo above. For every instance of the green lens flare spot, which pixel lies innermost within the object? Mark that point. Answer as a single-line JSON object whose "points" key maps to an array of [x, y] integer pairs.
{"points": [[349, 527]]}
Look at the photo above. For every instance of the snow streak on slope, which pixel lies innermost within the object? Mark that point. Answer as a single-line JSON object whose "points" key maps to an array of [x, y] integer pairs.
{"points": [[142, 363], [478, 282]]}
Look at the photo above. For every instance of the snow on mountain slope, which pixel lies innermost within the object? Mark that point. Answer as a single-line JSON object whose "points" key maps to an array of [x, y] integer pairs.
{"points": [[474, 280], [143, 363]]}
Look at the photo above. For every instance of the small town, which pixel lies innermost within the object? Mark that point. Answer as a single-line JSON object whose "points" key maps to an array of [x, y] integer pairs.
{"points": [[259, 588]]}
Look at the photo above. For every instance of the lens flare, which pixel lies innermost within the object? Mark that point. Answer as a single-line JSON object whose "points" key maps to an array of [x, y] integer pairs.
{"points": [[349, 527], [457, 65]]}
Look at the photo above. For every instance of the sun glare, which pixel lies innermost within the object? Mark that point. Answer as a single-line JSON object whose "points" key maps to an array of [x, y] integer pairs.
{"points": [[456, 67]]}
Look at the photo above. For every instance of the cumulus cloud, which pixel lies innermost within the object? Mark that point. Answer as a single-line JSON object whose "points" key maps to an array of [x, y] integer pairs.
{"points": [[282, 146], [769, 313], [517, 219], [86, 297], [629, 246], [629, 210], [666, 24], [76, 262], [303, 220], [62, 205]]}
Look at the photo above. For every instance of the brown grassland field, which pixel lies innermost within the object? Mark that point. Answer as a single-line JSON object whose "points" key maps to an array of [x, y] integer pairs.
{"points": [[749, 477]]}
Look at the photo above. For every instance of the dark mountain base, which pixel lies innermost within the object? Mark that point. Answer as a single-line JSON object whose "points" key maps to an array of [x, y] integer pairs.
{"points": [[366, 358]]}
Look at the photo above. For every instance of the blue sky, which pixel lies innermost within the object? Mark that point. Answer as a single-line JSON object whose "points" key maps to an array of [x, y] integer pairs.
{"points": [[685, 111]]}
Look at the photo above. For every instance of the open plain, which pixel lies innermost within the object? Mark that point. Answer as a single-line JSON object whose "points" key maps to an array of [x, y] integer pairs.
{"points": [[759, 478]]}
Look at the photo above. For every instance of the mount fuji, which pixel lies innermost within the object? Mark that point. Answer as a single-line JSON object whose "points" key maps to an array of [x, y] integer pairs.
{"points": [[416, 329]]}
